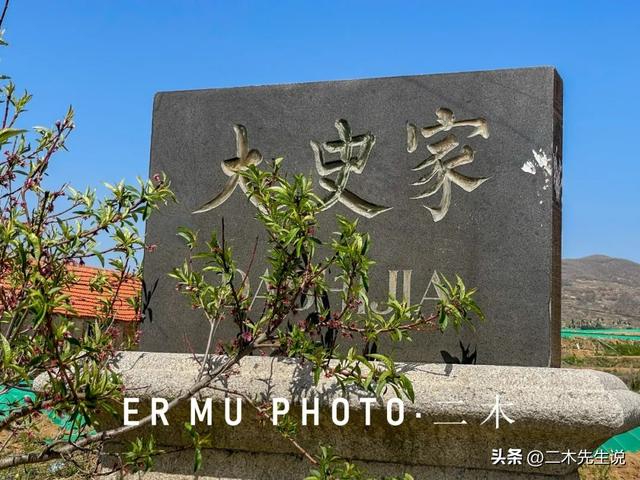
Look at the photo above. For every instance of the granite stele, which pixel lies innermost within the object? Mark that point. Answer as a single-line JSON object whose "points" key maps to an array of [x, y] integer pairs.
{"points": [[455, 174]]}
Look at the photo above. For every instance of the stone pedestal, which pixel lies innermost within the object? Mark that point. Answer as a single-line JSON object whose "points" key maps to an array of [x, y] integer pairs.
{"points": [[442, 436]]}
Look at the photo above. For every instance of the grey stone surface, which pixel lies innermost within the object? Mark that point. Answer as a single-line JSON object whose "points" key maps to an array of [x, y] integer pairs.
{"points": [[503, 236], [551, 409], [227, 465]]}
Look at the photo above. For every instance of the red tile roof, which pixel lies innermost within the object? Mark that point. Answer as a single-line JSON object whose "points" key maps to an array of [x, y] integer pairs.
{"points": [[86, 302]]}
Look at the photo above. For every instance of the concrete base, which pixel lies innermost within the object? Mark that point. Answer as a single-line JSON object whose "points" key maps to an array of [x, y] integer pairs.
{"points": [[447, 433], [228, 465]]}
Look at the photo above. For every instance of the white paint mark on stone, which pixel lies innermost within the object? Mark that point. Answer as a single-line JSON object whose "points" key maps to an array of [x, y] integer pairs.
{"points": [[529, 167], [543, 161]]}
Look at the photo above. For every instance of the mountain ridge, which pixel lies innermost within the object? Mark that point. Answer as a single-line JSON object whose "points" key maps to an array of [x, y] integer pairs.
{"points": [[600, 291]]}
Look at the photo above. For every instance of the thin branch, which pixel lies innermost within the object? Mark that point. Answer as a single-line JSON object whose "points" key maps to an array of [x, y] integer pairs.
{"points": [[299, 447], [6, 442], [4, 12], [48, 454]]}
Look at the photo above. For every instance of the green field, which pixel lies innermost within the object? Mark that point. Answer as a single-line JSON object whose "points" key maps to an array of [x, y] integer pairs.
{"points": [[610, 333]]}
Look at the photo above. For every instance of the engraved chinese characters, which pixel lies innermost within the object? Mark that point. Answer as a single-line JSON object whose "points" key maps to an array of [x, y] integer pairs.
{"points": [[232, 167], [443, 171], [354, 152]]}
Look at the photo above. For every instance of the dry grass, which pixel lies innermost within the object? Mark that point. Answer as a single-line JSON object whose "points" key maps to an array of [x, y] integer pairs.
{"points": [[29, 439], [630, 471], [618, 358]]}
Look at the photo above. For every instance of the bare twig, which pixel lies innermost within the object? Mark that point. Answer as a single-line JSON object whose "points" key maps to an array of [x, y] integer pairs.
{"points": [[292, 440], [4, 12]]}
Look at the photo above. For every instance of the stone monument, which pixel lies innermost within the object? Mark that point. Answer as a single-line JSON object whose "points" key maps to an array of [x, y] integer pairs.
{"points": [[455, 173], [450, 174]]}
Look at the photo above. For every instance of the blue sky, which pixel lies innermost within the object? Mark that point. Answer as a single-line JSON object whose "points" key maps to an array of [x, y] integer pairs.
{"points": [[109, 58]]}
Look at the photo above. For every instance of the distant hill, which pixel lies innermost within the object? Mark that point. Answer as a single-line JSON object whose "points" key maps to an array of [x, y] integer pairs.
{"points": [[600, 291]]}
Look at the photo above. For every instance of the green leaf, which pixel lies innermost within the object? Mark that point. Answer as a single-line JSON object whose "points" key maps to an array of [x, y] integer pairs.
{"points": [[7, 133], [384, 359], [6, 350], [382, 382], [197, 461], [408, 386], [188, 235]]}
